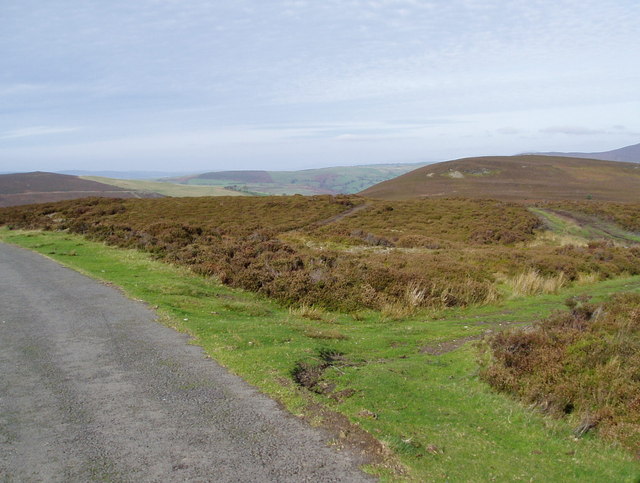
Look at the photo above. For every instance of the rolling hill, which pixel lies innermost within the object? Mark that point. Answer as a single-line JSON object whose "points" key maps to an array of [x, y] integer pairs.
{"points": [[41, 187], [336, 180], [165, 189], [522, 177], [629, 154]]}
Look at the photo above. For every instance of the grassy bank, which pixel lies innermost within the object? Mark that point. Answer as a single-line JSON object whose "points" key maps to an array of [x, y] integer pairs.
{"points": [[412, 384]]}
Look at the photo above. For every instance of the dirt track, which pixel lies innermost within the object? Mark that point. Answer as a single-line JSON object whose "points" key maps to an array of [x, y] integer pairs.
{"points": [[91, 388]]}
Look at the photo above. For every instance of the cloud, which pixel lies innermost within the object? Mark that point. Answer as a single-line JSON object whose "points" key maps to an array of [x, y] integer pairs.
{"points": [[352, 137], [35, 131], [572, 130], [330, 72], [584, 131], [509, 131]]}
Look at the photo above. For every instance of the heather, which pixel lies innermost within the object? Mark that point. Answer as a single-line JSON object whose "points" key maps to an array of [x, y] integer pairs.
{"points": [[345, 252], [582, 364]]}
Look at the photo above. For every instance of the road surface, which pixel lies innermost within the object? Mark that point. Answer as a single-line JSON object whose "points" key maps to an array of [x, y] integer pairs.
{"points": [[91, 388]]}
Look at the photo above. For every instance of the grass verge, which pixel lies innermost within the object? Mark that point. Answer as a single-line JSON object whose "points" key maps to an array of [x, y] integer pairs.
{"points": [[427, 407]]}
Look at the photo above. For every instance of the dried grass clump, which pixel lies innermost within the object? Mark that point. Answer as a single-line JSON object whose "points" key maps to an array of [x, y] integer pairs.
{"points": [[533, 283], [583, 363], [396, 311], [585, 278], [414, 294], [310, 312]]}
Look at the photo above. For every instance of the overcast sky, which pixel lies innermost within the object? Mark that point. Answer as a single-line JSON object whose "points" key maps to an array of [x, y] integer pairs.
{"points": [[201, 85]]}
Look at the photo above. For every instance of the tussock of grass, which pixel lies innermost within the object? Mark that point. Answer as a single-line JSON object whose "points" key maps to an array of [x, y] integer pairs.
{"points": [[397, 311], [533, 283], [327, 334], [311, 312], [415, 294], [587, 278]]}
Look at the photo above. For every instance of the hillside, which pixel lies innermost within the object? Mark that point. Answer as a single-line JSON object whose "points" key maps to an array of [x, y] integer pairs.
{"points": [[166, 189], [517, 178], [40, 187], [125, 175], [336, 180], [629, 154]]}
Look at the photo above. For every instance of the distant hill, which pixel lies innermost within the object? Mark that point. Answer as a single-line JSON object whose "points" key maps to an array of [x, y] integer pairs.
{"points": [[40, 187], [629, 154], [336, 180], [166, 189], [126, 174], [523, 177]]}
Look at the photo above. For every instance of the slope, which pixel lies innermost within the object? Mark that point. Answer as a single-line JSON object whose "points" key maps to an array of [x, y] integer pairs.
{"points": [[629, 154], [39, 187], [335, 180], [163, 188], [517, 178]]}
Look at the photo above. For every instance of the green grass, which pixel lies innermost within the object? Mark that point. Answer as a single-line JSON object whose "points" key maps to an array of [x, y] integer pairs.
{"points": [[593, 229], [167, 189], [339, 179], [440, 420]]}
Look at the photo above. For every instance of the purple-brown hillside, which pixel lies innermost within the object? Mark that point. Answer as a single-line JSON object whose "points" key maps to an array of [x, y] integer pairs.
{"points": [[40, 187], [517, 178]]}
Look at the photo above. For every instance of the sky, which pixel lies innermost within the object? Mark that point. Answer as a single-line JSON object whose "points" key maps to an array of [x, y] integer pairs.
{"points": [[207, 85]]}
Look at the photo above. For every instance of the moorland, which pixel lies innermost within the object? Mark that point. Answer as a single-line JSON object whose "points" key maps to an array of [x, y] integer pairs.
{"points": [[39, 187], [449, 338], [515, 178], [366, 313]]}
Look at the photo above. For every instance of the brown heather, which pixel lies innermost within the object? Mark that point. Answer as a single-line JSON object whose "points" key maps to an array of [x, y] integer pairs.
{"points": [[623, 214], [345, 252], [516, 178], [584, 363]]}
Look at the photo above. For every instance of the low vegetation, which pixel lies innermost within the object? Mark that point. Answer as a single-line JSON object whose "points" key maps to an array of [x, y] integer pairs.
{"points": [[517, 178], [362, 315], [582, 364], [532, 283], [622, 214], [405, 391], [346, 253]]}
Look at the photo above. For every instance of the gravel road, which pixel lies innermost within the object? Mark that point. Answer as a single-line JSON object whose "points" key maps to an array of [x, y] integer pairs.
{"points": [[91, 388]]}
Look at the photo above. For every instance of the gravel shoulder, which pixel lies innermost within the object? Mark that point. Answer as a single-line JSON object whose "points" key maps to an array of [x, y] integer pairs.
{"points": [[92, 388]]}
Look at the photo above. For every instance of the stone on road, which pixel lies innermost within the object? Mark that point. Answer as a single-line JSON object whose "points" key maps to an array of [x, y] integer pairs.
{"points": [[92, 388]]}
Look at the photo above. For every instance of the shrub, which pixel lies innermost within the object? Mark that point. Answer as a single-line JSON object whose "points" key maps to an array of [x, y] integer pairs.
{"points": [[584, 362], [423, 253]]}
